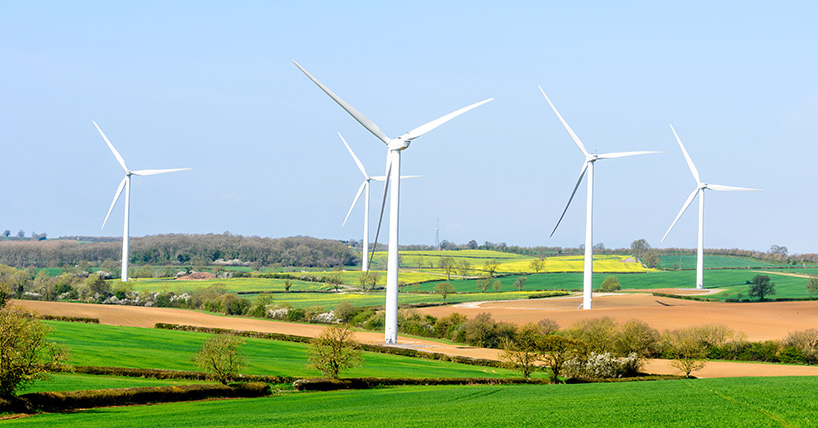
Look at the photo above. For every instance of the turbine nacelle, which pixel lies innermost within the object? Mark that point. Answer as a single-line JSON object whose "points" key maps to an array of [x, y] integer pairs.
{"points": [[398, 144]]}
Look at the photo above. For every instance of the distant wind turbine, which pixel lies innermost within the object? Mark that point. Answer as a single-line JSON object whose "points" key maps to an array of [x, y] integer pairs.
{"points": [[699, 190], [394, 147], [588, 165], [126, 184], [364, 187]]}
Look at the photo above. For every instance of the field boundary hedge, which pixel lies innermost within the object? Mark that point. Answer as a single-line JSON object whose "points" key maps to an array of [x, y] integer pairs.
{"points": [[322, 384], [68, 319], [366, 347], [70, 400]]}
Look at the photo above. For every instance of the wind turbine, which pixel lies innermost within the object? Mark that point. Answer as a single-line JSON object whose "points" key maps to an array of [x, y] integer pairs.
{"points": [[394, 147], [126, 184], [364, 187], [587, 166], [699, 190]]}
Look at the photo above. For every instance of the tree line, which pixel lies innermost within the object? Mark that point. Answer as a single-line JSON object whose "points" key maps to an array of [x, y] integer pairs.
{"points": [[185, 249]]}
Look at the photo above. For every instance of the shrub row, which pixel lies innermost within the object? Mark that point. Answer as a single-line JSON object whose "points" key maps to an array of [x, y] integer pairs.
{"points": [[69, 400], [171, 374], [555, 293], [68, 319], [320, 384], [366, 347]]}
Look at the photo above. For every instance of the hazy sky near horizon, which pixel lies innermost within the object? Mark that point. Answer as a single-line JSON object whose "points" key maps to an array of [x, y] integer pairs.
{"points": [[210, 86]]}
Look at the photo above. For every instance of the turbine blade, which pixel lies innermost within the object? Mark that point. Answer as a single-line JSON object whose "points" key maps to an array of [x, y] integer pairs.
{"points": [[368, 124], [622, 154], [687, 157], [565, 124], [354, 201], [682, 211], [116, 198], [157, 171], [420, 130], [410, 176], [581, 174], [111, 146], [383, 206], [355, 158], [730, 188]]}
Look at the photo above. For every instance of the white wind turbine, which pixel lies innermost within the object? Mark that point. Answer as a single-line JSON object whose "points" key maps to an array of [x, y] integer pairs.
{"points": [[588, 165], [699, 190], [394, 147], [364, 187], [126, 184]]}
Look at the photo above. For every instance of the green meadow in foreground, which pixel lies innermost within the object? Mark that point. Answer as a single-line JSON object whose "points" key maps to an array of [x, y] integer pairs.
{"points": [[727, 402], [114, 346]]}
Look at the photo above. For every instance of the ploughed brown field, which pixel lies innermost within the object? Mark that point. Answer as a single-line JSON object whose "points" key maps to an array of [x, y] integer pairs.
{"points": [[759, 321]]}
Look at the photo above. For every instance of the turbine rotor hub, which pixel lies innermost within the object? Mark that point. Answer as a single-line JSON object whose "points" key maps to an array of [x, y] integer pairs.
{"points": [[398, 144]]}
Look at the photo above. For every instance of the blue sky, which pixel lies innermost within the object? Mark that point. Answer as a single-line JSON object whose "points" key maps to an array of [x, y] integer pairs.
{"points": [[210, 86]]}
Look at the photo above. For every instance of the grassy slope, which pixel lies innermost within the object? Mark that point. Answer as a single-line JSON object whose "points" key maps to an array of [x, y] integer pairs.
{"points": [[103, 345], [729, 402]]}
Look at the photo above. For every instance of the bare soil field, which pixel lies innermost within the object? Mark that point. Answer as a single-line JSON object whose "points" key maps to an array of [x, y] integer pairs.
{"points": [[759, 321], [660, 313]]}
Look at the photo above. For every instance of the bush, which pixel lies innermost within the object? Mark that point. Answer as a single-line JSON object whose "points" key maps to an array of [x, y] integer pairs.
{"points": [[375, 322], [601, 366], [480, 330], [597, 333], [610, 285], [806, 342], [445, 326], [344, 311], [61, 401]]}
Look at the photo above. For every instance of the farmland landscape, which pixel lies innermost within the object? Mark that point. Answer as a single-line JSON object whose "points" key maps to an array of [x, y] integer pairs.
{"points": [[408, 214]]}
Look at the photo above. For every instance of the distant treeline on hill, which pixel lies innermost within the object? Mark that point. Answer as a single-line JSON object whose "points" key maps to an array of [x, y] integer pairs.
{"points": [[182, 249]]}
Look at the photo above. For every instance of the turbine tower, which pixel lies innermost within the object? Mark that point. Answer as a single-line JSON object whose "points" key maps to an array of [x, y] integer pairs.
{"points": [[699, 190], [126, 184], [364, 188], [587, 166], [394, 148]]}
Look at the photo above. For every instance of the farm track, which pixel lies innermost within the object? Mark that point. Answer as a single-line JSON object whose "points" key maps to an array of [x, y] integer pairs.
{"points": [[759, 321]]}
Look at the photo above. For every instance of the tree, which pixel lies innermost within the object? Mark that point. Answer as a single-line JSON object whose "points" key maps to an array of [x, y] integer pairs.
{"points": [[472, 244], [556, 350], [651, 258], [368, 279], [521, 352], [419, 260], [6, 233], [536, 265], [287, 285], [25, 353], [497, 285], [334, 350], [448, 265], [21, 233], [98, 285], [464, 268], [519, 283], [334, 279], [778, 249], [490, 267], [812, 285], [221, 357], [444, 289], [761, 286], [686, 351], [639, 247], [610, 284], [483, 284]]}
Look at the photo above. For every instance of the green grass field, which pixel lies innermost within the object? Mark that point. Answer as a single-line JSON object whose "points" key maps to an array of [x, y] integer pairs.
{"points": [[78, 382], [689, 262], [232, 285], [104, 345], [728, 402]]}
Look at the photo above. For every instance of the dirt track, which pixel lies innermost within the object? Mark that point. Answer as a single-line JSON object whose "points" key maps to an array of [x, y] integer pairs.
{"points": [[761, 321]]}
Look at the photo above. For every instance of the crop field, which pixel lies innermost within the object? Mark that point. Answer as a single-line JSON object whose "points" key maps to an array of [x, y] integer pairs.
{"points": [[331, 300], [231, 285], [133, 347], [729, 402], [688, 261]]}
